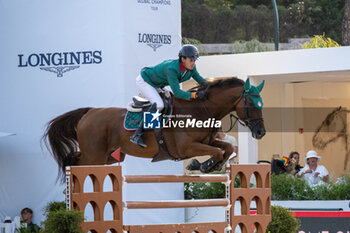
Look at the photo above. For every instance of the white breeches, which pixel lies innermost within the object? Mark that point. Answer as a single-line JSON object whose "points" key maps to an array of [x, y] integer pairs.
{"points": [[149, 92]]}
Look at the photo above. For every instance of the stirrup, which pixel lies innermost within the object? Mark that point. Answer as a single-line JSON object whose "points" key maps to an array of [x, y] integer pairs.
{"points": [[137, 140]]}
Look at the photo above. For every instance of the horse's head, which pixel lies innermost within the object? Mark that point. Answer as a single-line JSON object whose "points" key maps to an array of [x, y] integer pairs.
{"points": [[249, 109], [332, 127], [226, 95]]}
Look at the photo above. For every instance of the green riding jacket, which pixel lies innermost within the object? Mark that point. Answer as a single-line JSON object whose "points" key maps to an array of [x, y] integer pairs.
{"points": [[172, 73]]}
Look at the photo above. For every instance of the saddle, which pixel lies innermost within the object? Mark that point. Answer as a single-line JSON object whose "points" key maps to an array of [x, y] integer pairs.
{"points": [[139, 104]]}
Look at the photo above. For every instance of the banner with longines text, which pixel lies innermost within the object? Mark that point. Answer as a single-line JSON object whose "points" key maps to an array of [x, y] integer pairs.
{"points": [[60, 56]]}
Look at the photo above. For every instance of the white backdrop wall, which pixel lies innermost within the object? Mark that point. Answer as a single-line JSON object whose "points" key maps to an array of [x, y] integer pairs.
{"points": [[59, 56]]}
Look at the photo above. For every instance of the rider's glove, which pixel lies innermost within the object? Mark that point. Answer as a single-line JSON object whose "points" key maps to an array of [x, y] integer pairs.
{"points": [[198, 94]]}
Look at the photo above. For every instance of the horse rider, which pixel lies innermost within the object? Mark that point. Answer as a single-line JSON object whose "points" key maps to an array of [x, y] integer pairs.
{"points": [[172, 73]]}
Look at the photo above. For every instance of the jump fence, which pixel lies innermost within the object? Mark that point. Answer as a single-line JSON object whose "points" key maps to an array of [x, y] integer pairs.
{"points": [[261, 194]]}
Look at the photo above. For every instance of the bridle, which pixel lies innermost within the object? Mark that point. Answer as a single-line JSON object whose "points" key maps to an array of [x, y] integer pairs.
{"points": [[248, 122]]}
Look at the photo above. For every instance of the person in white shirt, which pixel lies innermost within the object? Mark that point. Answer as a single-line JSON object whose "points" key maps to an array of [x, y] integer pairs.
{"points": [[313, 173], [229, 139]]}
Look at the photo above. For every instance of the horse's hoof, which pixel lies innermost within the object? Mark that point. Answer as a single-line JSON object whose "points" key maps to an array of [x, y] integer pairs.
{"points": [[193, 165], [217, 166], [206, 166], [204, 169]]}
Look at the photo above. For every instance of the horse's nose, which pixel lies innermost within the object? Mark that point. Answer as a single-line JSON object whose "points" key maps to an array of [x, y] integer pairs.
{"points": [[260, 133]]}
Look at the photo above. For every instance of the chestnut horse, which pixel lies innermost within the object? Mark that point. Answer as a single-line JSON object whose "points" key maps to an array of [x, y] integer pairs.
{"points": [[88, 136]]}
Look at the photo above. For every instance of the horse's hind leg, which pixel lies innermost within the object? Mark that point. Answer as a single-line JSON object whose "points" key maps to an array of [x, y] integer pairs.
{"points": [[93, 150]]}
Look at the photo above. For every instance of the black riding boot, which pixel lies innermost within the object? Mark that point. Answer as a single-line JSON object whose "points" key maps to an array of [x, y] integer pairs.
{"points": [[136, 138]]}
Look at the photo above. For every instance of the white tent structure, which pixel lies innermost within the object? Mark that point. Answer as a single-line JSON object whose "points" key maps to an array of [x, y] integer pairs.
{"points": [[303, 65]]}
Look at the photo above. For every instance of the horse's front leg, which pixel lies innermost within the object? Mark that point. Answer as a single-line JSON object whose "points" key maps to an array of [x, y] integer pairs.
{"points": [[199, 149], [228, 148]]}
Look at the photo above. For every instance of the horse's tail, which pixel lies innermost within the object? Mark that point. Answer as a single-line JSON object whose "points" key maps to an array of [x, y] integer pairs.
{"points": [[61, 139]]}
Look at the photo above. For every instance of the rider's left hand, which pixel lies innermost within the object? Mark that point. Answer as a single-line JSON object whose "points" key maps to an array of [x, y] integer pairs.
{"points": [[199, 94]]}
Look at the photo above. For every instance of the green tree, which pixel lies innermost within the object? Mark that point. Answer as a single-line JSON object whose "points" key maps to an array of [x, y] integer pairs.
{"points": [[296, 19], [225, 21], [223, 25], [197, 21], [245, 18], [265, 23], [253, 3], [329, 18], [215, 4]]}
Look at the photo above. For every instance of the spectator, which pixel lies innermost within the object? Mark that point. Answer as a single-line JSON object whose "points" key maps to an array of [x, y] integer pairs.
{"points": [[27, 215], [229, 139], [293, 166], [313, 173]]}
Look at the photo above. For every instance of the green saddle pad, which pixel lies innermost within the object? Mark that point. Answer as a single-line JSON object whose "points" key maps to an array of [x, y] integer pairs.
{"points": [[133, 119]]}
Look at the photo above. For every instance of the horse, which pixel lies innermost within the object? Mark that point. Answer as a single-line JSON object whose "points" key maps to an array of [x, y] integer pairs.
{"points": [[333, 127], [88, 136]]}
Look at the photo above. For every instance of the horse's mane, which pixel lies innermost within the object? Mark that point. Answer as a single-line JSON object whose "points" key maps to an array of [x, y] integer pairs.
{"points": [[221, 82]]}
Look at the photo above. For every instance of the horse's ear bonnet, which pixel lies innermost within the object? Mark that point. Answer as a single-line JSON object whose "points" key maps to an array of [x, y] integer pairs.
{"points": [[253, 93]]}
